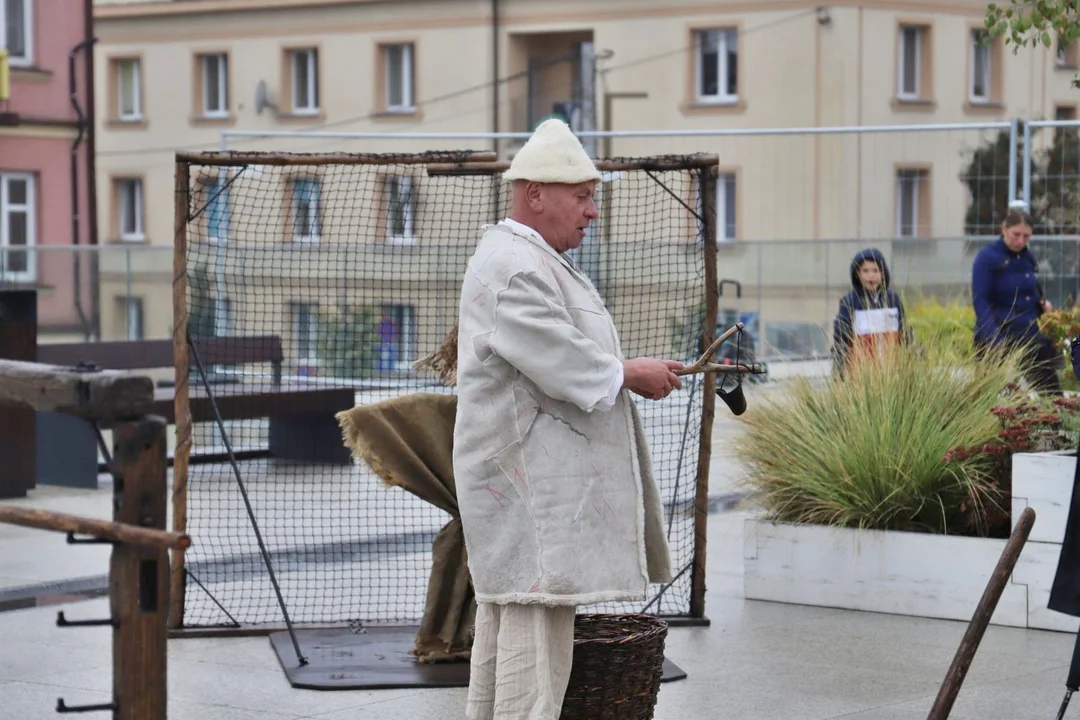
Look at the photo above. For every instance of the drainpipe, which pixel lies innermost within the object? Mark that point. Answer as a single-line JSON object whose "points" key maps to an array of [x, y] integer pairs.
{"points": [[73, 90], [91, 170]]}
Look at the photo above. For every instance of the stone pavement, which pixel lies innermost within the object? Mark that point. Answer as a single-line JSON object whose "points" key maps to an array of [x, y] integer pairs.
{"points": [[756, 660]]}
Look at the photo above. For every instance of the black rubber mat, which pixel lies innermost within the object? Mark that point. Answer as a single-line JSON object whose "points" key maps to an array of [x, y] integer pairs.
{"points": [[378, 659]]}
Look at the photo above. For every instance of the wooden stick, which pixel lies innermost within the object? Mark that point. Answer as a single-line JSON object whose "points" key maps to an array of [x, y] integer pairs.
{"points": [[181, 396], [104, 395], [104, 529], [659, 163], [708, 396], [739, 369], [702, 362], [950, 687], [221, 159]]}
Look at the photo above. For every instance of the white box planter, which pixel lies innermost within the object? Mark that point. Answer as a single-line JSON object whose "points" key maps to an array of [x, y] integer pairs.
{"points": [[1043, 481], [932, 576]]}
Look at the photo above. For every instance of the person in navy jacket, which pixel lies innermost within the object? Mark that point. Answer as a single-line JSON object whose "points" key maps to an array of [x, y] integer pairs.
{"points": [[1008, 300], [871, 316]]}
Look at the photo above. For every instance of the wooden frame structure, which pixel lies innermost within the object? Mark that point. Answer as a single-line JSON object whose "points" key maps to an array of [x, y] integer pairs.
{"points": [[139, 565], [705, 170]]}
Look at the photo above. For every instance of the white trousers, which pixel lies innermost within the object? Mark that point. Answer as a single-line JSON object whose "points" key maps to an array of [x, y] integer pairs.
{"points": [[520, 666]]}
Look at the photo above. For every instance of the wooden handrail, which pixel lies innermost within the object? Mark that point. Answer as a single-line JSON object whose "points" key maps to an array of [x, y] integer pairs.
{"points": [[106, 395], [104, 529]]}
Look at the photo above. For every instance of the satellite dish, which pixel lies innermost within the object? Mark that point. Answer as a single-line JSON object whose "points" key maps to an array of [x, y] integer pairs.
{"points": [[262, 100]]}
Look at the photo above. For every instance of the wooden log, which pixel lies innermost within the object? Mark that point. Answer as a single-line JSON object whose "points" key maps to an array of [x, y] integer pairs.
{"points": [[105, 395], [139, 575], [657, 163], [969, 644], [104, 529], [233, 159], [708, 400], [182, 396]]}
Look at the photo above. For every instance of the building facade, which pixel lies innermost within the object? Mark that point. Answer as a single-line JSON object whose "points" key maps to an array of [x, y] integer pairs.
{"points": [[793, 206], [46, 162]]}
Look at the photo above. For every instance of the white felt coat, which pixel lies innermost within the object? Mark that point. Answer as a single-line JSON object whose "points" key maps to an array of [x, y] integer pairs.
{"points": [[557, 497]]}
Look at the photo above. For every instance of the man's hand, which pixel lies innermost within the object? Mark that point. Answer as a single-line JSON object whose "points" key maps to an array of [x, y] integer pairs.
{"points": [[1047, 306], [651, 378]]}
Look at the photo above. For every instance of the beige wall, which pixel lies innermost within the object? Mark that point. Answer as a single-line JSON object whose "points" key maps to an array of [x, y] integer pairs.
{"points": [[794, 71]]}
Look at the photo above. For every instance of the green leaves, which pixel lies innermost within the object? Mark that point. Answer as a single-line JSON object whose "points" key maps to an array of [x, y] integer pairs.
{"points": [[1034, 22]]}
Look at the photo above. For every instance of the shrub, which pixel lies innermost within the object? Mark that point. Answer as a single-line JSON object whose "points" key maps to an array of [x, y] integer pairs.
{"points": [[949, 322], [872, 451]]}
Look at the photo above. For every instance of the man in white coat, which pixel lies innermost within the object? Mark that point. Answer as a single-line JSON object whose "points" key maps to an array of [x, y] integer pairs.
{"points": [[558, 503]]}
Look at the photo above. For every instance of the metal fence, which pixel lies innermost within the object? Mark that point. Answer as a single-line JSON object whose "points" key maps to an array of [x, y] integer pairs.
{"points": [[786, 291], [794, 206]]}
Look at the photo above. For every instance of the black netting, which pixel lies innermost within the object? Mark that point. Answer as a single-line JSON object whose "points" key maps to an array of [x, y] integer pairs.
{"points": [[314, 286]]}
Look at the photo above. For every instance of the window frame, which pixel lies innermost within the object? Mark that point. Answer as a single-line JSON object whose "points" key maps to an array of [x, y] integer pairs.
{"points": [[27, 58], [30, 209], [407, 77], [313, 202], [919, 34], [139, 233], [136, 114], [975, 47], [311, 102], [391, 187], [724, 96], [222, 60]]}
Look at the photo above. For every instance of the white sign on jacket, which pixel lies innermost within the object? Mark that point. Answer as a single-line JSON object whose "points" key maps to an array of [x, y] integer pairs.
{"points": [[557, 498]]}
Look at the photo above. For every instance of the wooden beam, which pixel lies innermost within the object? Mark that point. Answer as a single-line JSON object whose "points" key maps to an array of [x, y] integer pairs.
{"points": [[234, 159], [104, 529], [105, 395], [139, 576], [658, 163]]}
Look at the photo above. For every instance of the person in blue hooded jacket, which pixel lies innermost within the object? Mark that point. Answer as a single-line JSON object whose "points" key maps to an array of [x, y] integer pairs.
{"points": [[871, 316], [1008, 301]]}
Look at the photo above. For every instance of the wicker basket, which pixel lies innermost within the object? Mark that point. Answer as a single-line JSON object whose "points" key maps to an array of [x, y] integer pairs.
{"points": [[618, 661]]}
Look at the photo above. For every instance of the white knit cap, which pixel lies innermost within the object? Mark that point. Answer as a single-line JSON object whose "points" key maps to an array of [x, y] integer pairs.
{"points": [[553, 155]]}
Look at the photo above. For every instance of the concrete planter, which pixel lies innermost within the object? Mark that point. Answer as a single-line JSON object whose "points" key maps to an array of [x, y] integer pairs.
{"points": [[1043, 481], [933, 576]]}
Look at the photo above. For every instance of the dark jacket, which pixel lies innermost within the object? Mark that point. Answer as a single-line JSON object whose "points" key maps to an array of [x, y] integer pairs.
{"points": [[1006, 293], [854, 323]]}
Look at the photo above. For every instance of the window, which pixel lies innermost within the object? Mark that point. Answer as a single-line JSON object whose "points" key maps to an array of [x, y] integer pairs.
{"points": [[216, 196], [912, 203], [133, 318], [1066, 55], [400, 209], [396, 338], [305, 81], [215, 85], [726, 228], [980, 67], [129, 209], [909, 84], [15, 31], [306, 333], [306, 197], [17, 227], [129, 89], [398, 61], [717, 65], [726, 208]]}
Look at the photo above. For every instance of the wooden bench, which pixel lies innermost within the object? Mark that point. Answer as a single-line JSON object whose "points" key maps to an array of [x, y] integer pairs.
{"points": [[302, 427]]}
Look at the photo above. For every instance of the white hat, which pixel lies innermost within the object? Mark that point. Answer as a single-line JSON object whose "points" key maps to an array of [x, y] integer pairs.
{"points": [[553, 155]]}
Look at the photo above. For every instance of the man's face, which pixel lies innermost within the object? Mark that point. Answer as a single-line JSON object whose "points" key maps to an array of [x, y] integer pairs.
{"points": [[870, 275], [1016, 237], [566, 211]]}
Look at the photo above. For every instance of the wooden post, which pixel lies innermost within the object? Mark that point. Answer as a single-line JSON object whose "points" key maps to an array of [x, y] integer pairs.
{"points": [[708, 399], [181, 398], [18, 433], [954, 678], [139, 575]]}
